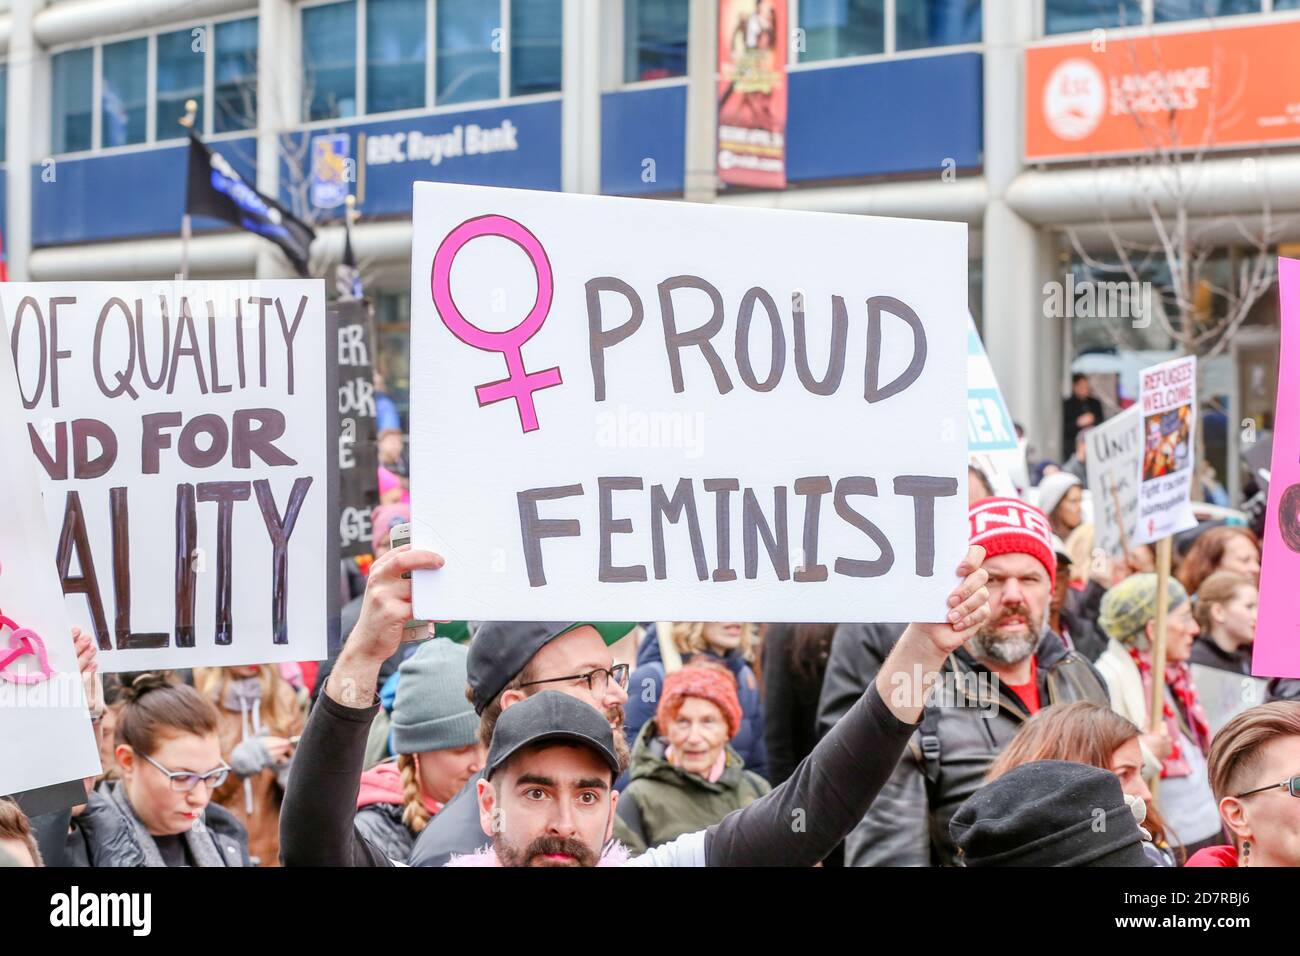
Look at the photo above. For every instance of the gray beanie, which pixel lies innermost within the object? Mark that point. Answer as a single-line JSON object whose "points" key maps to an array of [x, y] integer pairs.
{"points": [[431, 712]]}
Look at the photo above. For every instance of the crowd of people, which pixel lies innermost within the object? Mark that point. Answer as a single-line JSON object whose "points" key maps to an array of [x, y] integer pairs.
{"points": [[721, 743]]}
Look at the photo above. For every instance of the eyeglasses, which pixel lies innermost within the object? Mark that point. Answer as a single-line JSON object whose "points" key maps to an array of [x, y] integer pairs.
{"points": [[184, 781], [1292, 786], [597, 680]]}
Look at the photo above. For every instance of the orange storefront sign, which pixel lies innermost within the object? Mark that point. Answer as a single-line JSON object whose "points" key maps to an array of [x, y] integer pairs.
{"points": [[1212, 89]]}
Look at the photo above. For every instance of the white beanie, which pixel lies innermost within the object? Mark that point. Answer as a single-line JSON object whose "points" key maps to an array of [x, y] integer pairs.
{"points": [[1053, 488]]}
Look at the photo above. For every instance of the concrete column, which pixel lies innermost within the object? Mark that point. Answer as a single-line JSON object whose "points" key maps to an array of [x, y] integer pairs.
{"points": [[20, 147], [1024, 347], [580, 97], [279, 81], [702, 102]]}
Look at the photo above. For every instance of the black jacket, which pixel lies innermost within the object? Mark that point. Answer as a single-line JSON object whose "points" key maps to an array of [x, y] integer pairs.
{"points": [[857, 651], [1080, 614], [381, 825], [102, 837], [789, 704], [948, 756], [455, 830]]}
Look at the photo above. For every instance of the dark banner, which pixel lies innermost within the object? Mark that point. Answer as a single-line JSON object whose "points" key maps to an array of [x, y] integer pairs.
{"points": [[214, 189], [358, 461]]}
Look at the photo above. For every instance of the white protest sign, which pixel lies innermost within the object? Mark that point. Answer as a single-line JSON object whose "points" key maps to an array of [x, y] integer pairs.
{"points": [[182, 431], [45, 731], [1114, 450], [1167, 398], [716, 412], [994, 448]]}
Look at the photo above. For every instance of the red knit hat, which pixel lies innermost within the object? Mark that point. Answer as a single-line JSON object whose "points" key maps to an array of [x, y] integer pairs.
{"points": [[1010, 526], [711, 682]]}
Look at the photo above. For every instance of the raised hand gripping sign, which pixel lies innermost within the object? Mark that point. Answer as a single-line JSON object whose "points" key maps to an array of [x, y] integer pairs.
{"points": [[760, 413], [520, 384]]}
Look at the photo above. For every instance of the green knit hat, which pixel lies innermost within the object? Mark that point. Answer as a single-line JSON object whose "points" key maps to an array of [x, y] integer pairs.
{"points": [[1128, 606], [431, 712]]}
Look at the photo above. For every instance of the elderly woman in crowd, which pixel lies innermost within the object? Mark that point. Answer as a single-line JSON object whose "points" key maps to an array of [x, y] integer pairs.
{"points": [[1128, 614], [684, 775]]}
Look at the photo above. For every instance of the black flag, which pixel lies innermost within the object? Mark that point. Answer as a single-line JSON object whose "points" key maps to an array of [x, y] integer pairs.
{"points": [[216, 190]]}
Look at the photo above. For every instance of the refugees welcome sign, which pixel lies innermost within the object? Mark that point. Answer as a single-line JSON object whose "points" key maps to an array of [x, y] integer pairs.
{"points": [[636, 410], [182, 432]]}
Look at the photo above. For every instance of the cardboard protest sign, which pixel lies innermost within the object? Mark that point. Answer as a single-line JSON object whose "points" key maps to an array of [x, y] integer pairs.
{"points": [[1168, 402], [45, 730], [1277, 630], [704, 411], [358, 459], [182, 431], [1114, 450]]}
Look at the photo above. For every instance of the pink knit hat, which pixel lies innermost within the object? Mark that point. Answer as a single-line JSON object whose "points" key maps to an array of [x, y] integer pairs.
{"points": [[708, 681], [384, 519]]}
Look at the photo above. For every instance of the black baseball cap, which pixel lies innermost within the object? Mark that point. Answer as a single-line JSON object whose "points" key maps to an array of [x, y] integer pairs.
{"points": [[551, 715], [501, 650]]}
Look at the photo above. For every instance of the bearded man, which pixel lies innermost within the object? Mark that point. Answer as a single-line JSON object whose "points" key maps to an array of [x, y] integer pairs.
{"points": [[1011, 668]]}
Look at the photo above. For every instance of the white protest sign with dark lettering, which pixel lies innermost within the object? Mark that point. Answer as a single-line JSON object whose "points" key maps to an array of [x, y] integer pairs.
{"points": [[1167, 399], [45, 731], [636, 410], [182, 430], [1114, 471]]}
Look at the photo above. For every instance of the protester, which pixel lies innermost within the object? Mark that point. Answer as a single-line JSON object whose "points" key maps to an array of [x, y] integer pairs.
{"points": [[1226, 608], [259, 715], [1223, 548], [553, 804], [1060, 497], [795, 657], [1128, 616], [684, 774], [1254, 771], [16, 837], [386, 413], [1050, 813], [1077, 463], [1013, 666], [1084, 732], [732, 644], [160, 813], [857, 653], [390, 447], [1081, 410], [977, 485], [1090, 575], [435, 735]]}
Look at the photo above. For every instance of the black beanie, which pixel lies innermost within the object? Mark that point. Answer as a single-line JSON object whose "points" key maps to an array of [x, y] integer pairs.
{"points": [[1049, 813]]}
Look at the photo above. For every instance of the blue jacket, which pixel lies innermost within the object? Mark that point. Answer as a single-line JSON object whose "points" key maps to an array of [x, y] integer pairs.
{"points": [[643, 699]]}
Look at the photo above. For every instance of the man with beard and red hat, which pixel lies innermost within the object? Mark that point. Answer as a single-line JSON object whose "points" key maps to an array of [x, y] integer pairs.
{"points": [[546, 796], [1014, 666]]}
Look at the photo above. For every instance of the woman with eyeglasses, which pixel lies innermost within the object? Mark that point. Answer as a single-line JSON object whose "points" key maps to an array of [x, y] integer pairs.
{"points": [[260, 716], [1255, 774], [159, 813], [685, 776]]}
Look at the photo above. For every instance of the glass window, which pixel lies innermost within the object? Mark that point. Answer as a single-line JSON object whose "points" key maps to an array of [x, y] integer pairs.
{"points": [[72, 94], [329, 53], [124, 89], [839, 28], [1069, 16], [1286, 4], [1189, 9], [535, 28], [235, 76], [924, 23], [180, 78], [469, 68], [654, 38], [395, 54]]}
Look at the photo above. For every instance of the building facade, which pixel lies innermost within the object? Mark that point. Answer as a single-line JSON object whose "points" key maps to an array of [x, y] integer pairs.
{"points": [[943, 109]]}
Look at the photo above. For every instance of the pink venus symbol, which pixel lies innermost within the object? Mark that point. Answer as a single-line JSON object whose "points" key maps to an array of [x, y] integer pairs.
{"points": [[519, 383]]}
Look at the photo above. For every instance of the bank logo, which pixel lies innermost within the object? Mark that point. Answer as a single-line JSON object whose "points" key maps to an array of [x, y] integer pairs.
{"points": [[1074, 99], [329, 170]]}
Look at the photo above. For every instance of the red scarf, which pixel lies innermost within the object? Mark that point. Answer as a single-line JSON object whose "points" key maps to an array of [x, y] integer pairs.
{"points": [[1178, 682]]}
